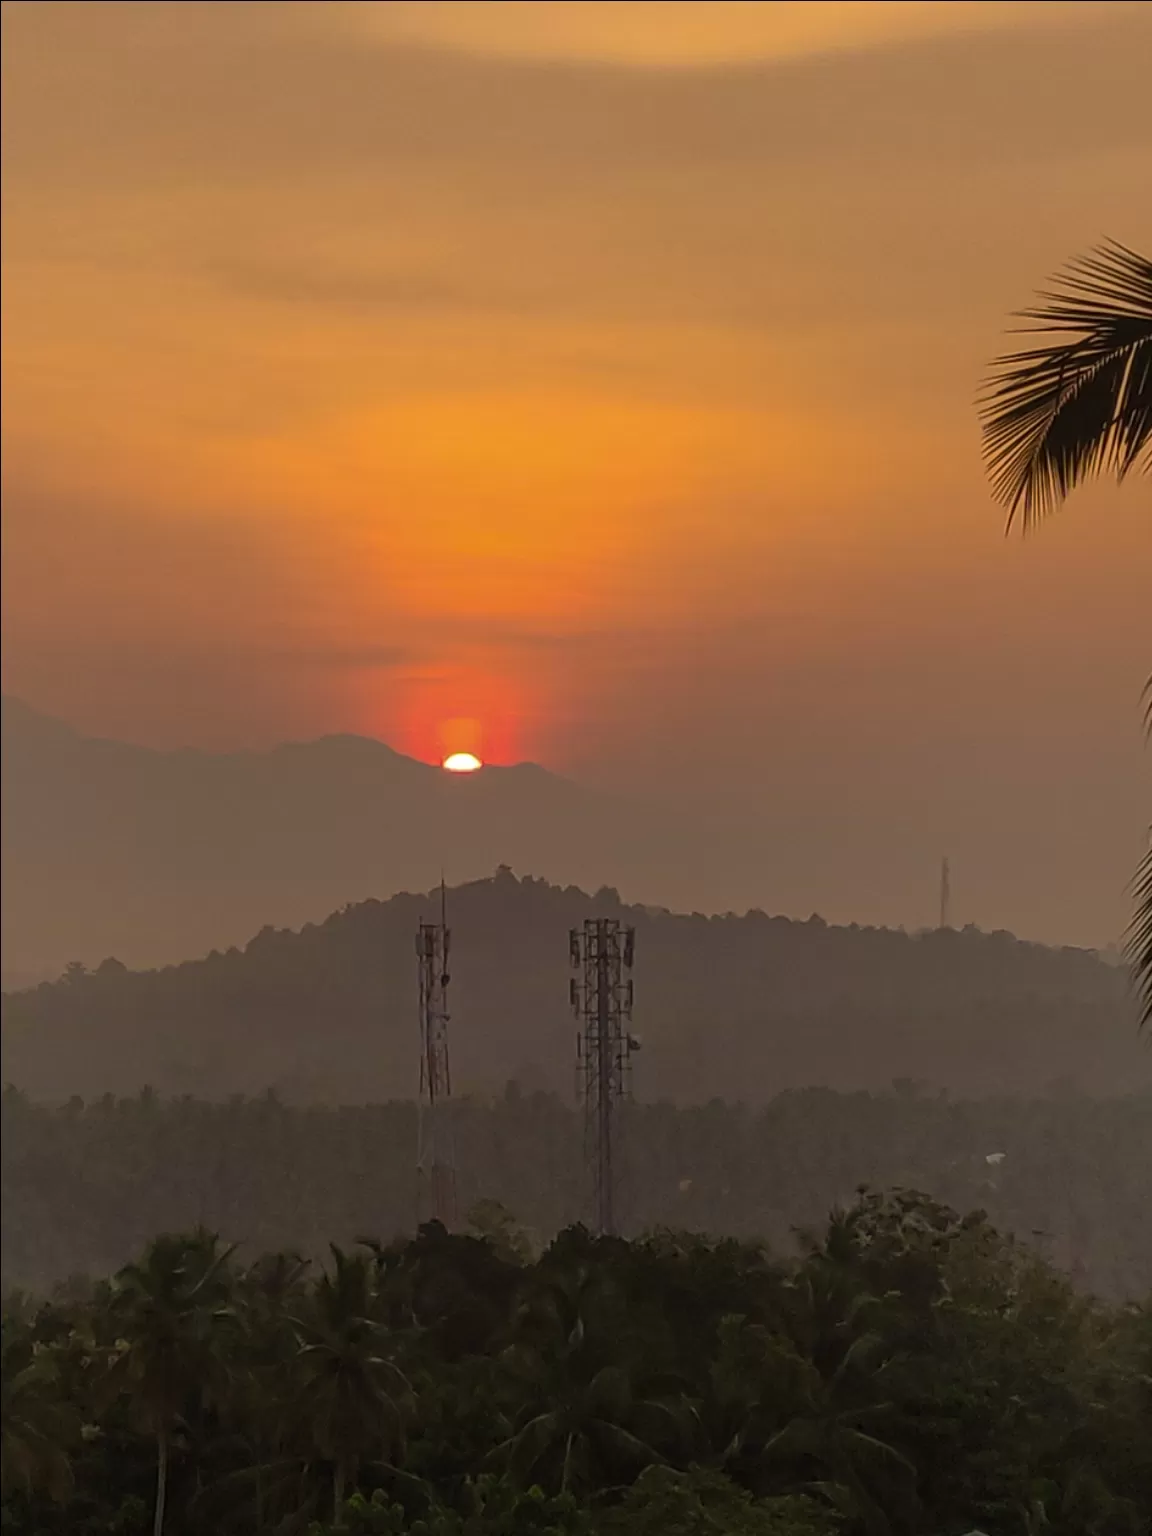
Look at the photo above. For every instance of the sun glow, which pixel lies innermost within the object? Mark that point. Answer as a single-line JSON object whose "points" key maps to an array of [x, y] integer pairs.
{"points": [[462, 762]]}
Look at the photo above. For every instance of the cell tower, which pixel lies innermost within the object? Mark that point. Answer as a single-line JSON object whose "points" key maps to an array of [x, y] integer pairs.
{"points": [[601, 993], [435, 1144], [945, 893]]}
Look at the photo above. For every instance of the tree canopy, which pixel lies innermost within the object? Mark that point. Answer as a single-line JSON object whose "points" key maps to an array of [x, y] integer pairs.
{"points": [[910, 1371]]}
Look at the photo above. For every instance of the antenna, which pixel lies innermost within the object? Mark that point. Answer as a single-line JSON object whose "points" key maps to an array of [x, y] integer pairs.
{"points": [[945, 893], [435, 1143], [601, 995]]}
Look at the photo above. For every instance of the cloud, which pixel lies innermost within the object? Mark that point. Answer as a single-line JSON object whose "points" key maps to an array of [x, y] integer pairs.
{"points": [[262, 154], [337, 658], [273, 97], [699, 34], [329, 287]]}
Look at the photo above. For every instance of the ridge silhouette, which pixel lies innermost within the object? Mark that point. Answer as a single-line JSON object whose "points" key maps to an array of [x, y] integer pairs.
{"points": [[730, 1007]]}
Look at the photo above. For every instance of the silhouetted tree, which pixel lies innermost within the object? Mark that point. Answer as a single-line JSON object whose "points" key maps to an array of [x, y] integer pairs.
{"points": [[167, 1351], [908, 1371], [1076, 406]]}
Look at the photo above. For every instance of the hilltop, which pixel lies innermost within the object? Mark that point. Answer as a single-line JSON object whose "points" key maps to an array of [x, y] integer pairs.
{"points": [[732, 1007]]}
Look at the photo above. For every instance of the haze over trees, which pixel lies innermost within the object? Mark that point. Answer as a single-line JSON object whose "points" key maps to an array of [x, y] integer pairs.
{"points": [[84, 1186]]}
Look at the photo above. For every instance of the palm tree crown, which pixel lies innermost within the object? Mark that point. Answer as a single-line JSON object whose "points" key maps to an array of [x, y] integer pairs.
{"points": [[1076, 406]]}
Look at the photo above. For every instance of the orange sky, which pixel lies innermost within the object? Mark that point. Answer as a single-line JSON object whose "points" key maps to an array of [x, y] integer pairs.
{"points": [[598, 374]]}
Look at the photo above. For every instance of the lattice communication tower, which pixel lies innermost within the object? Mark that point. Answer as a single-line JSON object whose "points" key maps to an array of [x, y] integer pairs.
{"points": [[435, 1149], [601, 993]]}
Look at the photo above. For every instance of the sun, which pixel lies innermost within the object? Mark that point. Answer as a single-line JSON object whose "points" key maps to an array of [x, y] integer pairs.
{"points": [[461, 762]]}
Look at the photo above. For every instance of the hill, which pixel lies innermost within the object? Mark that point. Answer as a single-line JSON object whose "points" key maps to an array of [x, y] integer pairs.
{"points": [[733, 1007], [110, 848]]}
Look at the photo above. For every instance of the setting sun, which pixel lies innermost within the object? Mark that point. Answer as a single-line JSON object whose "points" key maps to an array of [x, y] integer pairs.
{"points": [[462, 762]]}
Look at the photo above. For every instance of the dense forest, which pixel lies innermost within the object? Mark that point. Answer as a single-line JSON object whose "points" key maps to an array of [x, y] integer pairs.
{"points": [[85, 1185], [730, 1007], [908, 1373]]}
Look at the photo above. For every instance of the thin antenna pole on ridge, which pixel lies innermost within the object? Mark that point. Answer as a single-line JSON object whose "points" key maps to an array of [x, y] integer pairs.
{"points": [[945, 893]]}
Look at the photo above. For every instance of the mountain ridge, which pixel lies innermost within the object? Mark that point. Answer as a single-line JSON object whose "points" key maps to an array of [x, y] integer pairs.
{"points": [[112, 847], [736, 1007], [25, 719]]}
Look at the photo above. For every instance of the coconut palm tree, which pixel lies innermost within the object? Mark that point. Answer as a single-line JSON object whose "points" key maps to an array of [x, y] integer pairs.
{"points": [[577, 1416], [1076, 405], [807, 1406], [353, 1397], [167, 1309], [266, 1293]]}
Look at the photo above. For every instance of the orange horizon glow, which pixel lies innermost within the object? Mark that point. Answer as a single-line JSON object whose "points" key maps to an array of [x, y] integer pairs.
{"points": [[454, 706], [589, 385]]}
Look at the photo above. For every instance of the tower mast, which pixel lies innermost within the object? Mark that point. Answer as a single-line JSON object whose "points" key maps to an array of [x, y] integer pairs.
{"points": [[435, 1149], [601, 953]]}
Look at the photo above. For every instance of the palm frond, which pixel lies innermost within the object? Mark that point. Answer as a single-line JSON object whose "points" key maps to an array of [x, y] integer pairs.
{"points": [[1080, 403], [1139, 945], [624, 1443]]}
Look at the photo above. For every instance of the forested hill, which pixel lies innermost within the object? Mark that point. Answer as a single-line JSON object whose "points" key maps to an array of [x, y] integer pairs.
{"points": [[728, 1007]]}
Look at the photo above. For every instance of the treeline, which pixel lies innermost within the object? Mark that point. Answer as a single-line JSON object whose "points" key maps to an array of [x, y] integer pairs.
{"points": [[730, 1007], [84, 1185], [911, 1372]]}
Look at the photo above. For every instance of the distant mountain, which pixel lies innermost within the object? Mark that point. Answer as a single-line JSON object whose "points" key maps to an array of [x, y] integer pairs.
{"points": [[732, 1007], [111, 849]]}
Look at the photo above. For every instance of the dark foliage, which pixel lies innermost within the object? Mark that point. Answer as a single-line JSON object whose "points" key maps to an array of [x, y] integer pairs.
{"points": [[1140, 936], [912, 1372]]}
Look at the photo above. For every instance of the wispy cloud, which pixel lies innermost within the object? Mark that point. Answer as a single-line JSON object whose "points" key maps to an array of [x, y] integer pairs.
{"points": [[329, 286], [645, 34]]}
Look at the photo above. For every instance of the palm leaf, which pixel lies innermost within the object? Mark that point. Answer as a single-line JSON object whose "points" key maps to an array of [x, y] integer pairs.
{"points": [[1139, 944], [1080, 403], [624, 1443]]}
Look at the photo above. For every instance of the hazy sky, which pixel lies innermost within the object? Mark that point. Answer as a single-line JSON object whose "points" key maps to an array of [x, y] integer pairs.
{"points": [[601, 374]]}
